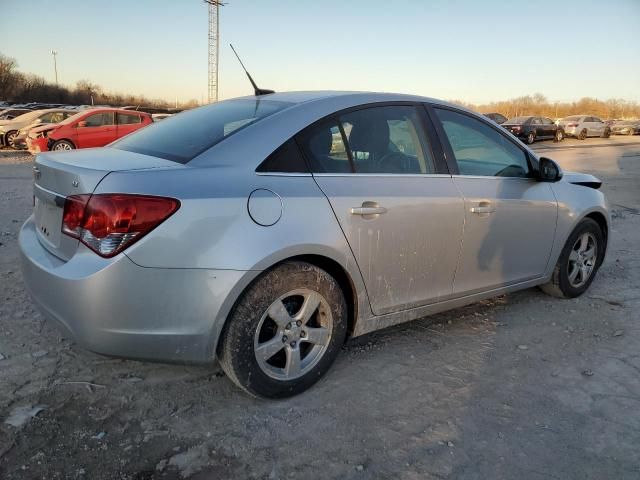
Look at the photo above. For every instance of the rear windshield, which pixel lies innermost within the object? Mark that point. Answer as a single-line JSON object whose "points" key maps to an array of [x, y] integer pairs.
{"points": [[186, 135], [518, 120]]}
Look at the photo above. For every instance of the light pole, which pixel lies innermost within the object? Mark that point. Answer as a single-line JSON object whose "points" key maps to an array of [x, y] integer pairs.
{"points": [[55, 64]]}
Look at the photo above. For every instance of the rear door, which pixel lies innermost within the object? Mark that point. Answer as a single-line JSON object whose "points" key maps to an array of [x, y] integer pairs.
{"points": [[127, 123], [397, 206], [510, 218], [99, 130], [536, 125]]}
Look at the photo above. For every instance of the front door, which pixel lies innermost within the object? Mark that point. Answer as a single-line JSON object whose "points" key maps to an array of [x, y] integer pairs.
{"points": [[401, 215], [510, 217], [99, 130]]}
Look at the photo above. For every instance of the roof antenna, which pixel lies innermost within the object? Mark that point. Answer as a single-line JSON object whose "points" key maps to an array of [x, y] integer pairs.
{"points": [[257, 91]]}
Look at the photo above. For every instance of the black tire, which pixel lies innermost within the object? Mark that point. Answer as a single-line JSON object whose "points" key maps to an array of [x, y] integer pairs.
{"points": [[559, 136], [560, 285], [583, 134], [607, 133], [63, 145], [9, 138], [631, 132], [531, 137], [236, 350]]}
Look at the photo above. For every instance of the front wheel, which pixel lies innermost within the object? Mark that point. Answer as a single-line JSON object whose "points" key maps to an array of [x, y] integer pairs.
{"points": [[579, 261], [531, 138], [606, 133], [63, 145], [285, 331], [583, 134]]}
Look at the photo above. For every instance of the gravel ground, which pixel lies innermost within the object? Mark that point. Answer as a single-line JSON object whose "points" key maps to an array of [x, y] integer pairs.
{"points": [[522, 386]]}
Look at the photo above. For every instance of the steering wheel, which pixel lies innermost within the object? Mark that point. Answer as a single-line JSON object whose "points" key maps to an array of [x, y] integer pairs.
{"points": [[395, 161]]}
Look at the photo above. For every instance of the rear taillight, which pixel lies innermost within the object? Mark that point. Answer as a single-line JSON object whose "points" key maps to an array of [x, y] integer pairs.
{"points": [[108, 223], [516, 128], [572, 125]]}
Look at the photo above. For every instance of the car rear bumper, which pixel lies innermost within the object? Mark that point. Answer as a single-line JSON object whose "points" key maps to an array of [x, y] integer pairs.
{"points": [[115, 307], [571, 131]]}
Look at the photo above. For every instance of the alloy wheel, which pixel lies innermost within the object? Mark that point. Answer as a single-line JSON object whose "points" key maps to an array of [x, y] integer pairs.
{"points": [[293, 334], [582, 259], [62, 146]]}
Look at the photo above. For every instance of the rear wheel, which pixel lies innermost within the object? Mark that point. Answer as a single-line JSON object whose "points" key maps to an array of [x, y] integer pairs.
{"points": [[606, 133], [10, 139], [558, 136], [583, 134], [631, 131], [579, 261], [531, 137], [285, 332], [63, 145]]}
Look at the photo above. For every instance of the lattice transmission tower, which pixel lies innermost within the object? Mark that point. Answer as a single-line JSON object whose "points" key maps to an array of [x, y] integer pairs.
{"points": [[214, 47]]}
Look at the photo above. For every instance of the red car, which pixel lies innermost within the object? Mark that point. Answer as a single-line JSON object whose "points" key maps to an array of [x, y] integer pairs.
{"points": [[96, 127]]}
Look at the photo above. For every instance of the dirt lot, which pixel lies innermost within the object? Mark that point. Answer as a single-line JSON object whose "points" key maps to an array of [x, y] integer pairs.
{"points": [[524, 386]]}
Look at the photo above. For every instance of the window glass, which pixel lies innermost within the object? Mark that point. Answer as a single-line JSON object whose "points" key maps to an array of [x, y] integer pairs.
{"points": [[99, 119], [287, 159], [536, 121], [480, 149], [325, 149], [182, 137], [547, 121], [128, 118]]}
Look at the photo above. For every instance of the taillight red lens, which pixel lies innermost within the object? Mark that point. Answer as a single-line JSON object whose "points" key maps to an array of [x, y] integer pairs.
{"points": [[109, 223]]}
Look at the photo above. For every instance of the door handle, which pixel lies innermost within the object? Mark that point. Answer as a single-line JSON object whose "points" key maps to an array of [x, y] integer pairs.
{"points": [[368, 208], [483, 208]]}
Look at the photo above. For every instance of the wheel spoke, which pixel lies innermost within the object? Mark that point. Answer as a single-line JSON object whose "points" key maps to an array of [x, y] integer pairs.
{"points": [[584, 273], [573, 256], [584, 243], [590, 253], [310, 305], [278, 313], [317, 336], [574, 273], [292, 367], [269, 348]]}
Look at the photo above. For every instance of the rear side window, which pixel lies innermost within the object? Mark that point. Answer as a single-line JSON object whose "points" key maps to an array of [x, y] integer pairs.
{"points": [[128, 118], [286, 159], [186, 135], [479, 149]]}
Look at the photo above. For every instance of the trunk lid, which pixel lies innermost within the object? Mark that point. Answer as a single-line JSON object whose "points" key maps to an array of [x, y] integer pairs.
{"points": [[60, 174]]}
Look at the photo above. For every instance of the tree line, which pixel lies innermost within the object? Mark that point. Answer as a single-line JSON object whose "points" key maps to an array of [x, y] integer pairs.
{"points": [[25, 87], [539, 105], [16, 86]]}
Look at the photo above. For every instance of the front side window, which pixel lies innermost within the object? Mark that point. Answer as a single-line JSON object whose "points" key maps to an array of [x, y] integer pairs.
{"points": [[547, 121], [99, 120], [536, 121], [128, 118], [383, 140], [481, 150]]}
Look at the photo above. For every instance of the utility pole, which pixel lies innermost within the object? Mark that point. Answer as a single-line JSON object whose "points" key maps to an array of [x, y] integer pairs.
{"points": [[55, 64], [214, 47]]}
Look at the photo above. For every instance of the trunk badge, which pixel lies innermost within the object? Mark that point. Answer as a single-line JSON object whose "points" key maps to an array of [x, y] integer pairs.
{"points": [[75, 183]]}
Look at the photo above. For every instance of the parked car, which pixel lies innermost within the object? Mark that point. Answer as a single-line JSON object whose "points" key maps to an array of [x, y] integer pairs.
{"points": [[496, 117], [583, 126], [265, 230], [160, 116], [625, 127], [531, 128], [9, 131], [56, 116], [96, 127], [9, 114]]}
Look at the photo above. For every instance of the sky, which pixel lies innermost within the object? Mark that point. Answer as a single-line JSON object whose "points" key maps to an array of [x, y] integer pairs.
{"points": [[471, 50]]}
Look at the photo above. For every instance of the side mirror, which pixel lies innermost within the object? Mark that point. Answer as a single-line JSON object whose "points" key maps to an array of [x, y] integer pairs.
{"points": [[82, 124], [549, 170]]}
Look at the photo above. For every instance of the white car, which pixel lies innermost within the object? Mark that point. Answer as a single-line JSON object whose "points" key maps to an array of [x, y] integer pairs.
{"points": [[583, 126]]}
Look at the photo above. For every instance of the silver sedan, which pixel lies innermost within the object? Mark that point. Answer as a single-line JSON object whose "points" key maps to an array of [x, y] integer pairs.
{"points": [[264, 231]]}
